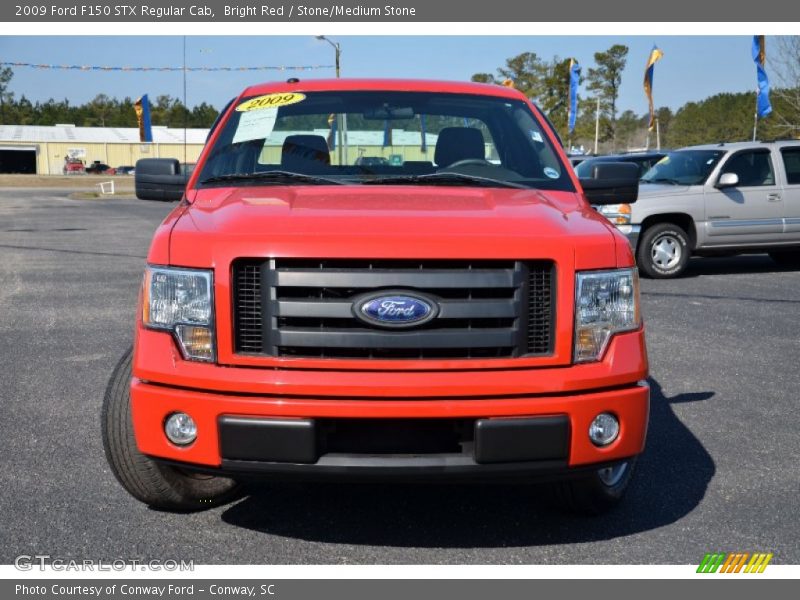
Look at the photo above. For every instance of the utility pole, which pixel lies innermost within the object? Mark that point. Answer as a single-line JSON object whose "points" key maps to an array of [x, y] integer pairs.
{"points": [[658, 136], [342, 129], [597, 126]]}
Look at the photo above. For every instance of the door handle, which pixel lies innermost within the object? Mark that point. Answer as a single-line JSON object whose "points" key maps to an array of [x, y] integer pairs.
{"points": [[773, 198]]}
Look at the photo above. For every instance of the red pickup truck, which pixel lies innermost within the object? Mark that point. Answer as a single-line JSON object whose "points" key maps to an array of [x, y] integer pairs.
{"points": [[458, 312]]}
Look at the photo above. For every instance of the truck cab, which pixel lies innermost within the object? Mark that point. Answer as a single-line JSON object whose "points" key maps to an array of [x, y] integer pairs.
{"points": [[459, 313]]}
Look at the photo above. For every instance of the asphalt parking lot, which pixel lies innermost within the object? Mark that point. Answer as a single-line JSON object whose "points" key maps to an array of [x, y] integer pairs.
{"points": [[720, 472]]}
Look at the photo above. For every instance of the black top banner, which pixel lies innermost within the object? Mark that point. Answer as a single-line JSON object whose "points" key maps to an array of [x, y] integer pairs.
{"points": [[401, 11]]}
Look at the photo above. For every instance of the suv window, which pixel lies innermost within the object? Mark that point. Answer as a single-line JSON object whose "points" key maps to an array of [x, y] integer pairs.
{"points": [[752, 168], [791, 162]]}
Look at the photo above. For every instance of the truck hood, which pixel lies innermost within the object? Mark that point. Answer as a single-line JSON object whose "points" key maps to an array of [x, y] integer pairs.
{"points": [[661, 189], [389, 222]]}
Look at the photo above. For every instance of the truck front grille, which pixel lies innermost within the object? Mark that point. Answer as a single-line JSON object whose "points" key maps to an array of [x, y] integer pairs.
{"points": [[304, 308]]}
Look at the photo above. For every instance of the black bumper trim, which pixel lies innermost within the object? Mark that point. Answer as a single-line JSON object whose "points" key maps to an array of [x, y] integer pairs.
{"points": [[401, 443]]}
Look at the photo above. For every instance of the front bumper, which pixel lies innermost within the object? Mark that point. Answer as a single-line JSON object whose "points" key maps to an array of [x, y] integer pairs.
{"points": [[510, 435], [399, 424]]}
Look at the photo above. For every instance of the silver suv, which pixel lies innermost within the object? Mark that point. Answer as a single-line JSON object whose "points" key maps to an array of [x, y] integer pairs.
{"points": [[715, 199]]}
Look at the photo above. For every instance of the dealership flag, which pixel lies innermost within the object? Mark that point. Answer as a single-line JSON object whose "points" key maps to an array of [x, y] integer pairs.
{"points": [[142, 108], [332, 132], [655, 55], [387, 133], [763, 107], [574, 80]]}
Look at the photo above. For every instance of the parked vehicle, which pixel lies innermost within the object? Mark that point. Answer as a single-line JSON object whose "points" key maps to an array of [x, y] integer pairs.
{"points": [[715, 199], [125, 170], [372, 161], [73, 166], [644, 160], [446, 318], [98, 168]]}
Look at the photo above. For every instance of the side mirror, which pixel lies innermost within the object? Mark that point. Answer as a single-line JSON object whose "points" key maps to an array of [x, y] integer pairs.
{"points": [[727, 180], [159, 179], [612, 183]]}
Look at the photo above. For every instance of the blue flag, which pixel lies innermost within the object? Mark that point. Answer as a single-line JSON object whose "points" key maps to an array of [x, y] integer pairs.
{"points": [[142, 109], [574, 80], [763, 106], [387, 133]]}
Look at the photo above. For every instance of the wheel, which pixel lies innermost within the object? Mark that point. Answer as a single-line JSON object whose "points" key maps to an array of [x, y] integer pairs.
{"points": [[160, 486], [663, 251], [789, 259], [597, 493]]}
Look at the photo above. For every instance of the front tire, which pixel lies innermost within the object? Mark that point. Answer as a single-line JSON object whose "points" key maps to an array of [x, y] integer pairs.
{"points": [[598, 492], [789, 259], [160, 486], [663, 251]]}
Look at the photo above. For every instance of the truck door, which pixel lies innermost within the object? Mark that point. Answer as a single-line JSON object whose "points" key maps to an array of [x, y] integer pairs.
{"points": [[790, 156], [750, 212]]}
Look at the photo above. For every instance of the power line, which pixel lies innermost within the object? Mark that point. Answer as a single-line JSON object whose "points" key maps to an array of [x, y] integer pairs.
{"points": [[139, 69]]}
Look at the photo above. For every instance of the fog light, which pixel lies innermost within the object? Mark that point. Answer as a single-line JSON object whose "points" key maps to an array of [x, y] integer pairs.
{"points": [[180, 429], [604, 429]]}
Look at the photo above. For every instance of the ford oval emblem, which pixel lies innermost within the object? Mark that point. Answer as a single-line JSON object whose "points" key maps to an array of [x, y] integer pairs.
{"points": [[395, 309]]}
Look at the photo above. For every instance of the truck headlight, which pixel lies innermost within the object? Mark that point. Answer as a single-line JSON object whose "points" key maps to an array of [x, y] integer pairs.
{"points": [[181, 301], [619, 214], [606, 303]]}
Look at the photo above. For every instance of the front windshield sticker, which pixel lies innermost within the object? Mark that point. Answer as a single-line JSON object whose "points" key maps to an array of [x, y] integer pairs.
{"points": [[255, 124], [271, 101], [536, 136], [551, 172]]}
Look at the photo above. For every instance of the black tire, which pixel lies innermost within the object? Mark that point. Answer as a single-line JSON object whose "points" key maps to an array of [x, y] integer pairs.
{"points": [[591, 495], [663, 251], [789, 259], [160, 486]]}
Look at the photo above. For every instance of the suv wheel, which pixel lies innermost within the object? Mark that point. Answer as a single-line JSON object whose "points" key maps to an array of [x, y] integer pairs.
{"points": [[789, 259], [597, 493], [160, 486], [663, 251]]}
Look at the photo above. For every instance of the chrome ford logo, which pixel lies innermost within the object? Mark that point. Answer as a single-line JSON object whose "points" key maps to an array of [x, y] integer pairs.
{"points": [[398, 309]]}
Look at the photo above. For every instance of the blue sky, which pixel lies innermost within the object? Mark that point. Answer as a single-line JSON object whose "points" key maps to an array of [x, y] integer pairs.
{"points": [[692, 68]]}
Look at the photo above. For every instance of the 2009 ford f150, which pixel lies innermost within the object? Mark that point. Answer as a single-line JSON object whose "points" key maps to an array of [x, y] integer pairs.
{"points": [[452, 308]]}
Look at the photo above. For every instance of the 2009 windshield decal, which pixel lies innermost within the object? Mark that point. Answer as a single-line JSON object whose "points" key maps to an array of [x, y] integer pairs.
{"points": [[271, 101]]}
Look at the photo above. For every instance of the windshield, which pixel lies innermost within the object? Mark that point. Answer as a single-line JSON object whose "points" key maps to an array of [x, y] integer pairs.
{"points": [[684, 167], [373, 138]]}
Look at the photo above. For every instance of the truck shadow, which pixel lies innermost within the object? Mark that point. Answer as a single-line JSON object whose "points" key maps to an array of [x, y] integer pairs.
{"points": [[732, 265], [671, 480]]}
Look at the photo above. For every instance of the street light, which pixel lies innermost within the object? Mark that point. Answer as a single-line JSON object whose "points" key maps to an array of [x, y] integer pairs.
{"points": [[336, 47], [342, 135]]}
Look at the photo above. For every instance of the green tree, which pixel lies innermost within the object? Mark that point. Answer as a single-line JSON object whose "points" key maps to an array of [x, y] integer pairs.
{"points": [[483, 78], [721, 118], [6, 74], [101, 107], [664, 116], [527, 71], [604, 81]]}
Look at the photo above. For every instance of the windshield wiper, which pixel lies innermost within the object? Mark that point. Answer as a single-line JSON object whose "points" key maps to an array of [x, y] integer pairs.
{"points": [[662, 180], [273, 177], [444, 178]]}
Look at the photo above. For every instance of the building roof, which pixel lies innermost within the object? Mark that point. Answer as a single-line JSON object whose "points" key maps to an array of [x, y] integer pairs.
{"points": [[97, 135]]}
